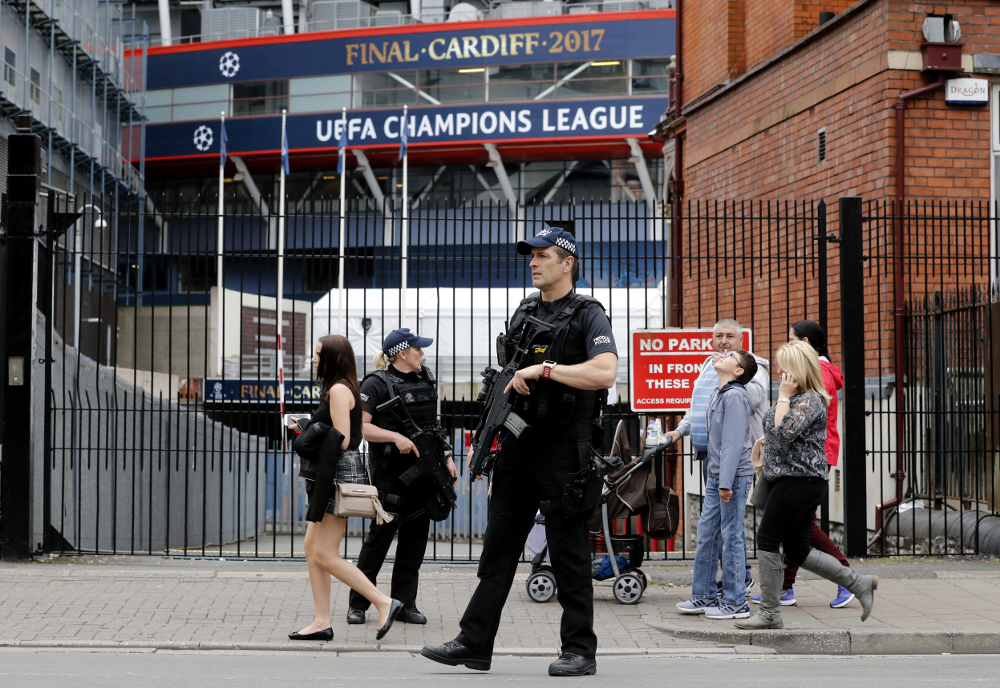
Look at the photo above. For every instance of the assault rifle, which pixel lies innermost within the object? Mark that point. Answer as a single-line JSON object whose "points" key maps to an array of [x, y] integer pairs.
{"points": [[498, 411], [430, 444]]}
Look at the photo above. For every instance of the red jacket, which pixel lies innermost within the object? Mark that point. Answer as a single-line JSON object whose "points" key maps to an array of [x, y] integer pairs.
{"points": [[833, 380]]}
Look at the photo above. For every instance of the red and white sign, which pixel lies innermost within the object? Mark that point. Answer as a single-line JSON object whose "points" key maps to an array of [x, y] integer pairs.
{"points": [[663, 365]]}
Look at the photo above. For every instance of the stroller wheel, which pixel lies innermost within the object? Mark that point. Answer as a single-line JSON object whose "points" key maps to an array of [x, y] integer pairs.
{"points": [[642, 579], [628, 588], [541, 585]]}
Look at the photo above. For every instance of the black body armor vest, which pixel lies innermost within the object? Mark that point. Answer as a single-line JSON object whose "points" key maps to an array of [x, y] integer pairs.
{"points": [[420, 398], [553, 407]]}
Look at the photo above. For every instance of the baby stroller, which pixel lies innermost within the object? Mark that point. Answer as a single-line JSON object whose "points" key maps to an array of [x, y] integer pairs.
{"points": [[624, 491]]}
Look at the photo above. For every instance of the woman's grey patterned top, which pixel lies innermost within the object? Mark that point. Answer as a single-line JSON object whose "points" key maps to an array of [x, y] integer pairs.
{"points": [[795, 448]]}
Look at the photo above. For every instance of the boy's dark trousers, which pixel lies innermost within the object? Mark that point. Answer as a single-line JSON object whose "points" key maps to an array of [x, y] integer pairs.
{"points": [[525, 476]]}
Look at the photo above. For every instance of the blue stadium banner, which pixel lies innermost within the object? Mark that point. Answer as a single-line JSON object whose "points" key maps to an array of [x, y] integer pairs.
{"points": [[525, 121], [217, 390], [648, 34]]}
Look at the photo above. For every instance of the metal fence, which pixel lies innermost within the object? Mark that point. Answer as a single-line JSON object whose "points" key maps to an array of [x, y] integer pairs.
{"points": [[185, 412], [931, 302]]}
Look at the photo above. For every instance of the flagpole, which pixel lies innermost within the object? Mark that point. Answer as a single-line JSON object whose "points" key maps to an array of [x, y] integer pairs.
{"points": [[342, 164], [404, 233], [281, 265], [220, 238]]}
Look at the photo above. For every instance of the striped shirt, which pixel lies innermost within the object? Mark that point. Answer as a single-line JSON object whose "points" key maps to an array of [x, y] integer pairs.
{"points": [[704, 387]]}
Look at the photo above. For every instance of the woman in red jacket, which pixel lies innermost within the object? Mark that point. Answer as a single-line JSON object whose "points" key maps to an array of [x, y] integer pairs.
{"points": [[833, 380]]}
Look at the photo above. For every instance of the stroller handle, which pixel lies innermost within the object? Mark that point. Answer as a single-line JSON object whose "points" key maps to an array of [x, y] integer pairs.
{"points": [[649, 453]]}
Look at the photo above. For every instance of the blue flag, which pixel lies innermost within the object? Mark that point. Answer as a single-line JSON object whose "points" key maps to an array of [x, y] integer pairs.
{"points": [[222, 145], [402, 136], [342, 149], [284, 150]]}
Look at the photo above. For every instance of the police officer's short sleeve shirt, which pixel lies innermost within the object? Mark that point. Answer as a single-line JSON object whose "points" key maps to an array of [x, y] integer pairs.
{"points": [[374, 392], [590, 332]]}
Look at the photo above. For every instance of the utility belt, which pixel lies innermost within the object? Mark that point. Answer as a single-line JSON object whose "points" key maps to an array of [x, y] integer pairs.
{"points": [[582, 489]]}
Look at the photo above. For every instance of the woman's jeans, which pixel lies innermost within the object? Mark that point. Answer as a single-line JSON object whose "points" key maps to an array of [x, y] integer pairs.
{"points": [[723, 519], [788, 516]]}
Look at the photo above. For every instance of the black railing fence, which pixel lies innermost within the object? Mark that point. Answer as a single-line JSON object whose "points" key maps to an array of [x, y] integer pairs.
{"points": [[162, 428], [931, 302]]}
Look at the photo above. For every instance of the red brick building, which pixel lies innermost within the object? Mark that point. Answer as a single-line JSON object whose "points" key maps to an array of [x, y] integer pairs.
{"points": [[778, 105], [798, 109]]}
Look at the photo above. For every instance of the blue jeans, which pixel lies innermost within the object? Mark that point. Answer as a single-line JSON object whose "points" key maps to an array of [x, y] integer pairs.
{"points": [[703, 457], [721, 528]]}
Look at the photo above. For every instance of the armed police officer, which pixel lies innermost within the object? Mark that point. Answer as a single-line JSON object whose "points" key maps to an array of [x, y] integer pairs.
{"points": [[560, 392], [392, 455]]}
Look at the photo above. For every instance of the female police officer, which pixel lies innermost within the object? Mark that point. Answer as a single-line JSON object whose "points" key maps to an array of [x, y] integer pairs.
{"points": [[390, 454], [561, 397]]}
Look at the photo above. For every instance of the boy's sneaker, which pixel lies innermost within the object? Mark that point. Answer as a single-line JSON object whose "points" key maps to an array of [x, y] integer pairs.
{"points": [[844, 597], [751, 584], [787, 598], [694, 606], [729, 611]]}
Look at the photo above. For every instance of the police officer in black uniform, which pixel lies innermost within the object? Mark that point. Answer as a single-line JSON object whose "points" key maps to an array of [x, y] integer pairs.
{"points": [[564, 390], [390, 454]]}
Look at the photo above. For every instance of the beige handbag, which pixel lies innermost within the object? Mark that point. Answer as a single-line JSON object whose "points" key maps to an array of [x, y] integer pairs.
{"points": [[757, 457], [358, 501]]}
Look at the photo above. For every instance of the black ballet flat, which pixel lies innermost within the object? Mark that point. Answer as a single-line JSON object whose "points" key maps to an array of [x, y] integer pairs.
{"points": [[318, 635], [394, 611]]}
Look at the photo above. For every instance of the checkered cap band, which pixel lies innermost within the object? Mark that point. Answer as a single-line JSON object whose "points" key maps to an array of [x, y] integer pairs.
{"points": [[565, 244], [398, 348]]}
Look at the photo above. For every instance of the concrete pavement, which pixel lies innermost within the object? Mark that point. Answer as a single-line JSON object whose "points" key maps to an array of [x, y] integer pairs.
{"points": [[923, 606]]}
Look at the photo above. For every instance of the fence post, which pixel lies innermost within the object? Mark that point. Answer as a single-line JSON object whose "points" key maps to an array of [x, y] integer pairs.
{"points": [[24, 166], [852, 327]]}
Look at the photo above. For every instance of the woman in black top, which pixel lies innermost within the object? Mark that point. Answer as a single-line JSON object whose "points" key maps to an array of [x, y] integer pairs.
{"points": [[341, 408]]}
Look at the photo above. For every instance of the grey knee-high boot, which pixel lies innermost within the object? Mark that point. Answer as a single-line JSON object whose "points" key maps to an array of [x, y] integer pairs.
{"points": [[770, 569], [822, 564]]}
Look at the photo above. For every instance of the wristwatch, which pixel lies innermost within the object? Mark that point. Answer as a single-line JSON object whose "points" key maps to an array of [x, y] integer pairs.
{"points": [[547, 367], [785, 400]]}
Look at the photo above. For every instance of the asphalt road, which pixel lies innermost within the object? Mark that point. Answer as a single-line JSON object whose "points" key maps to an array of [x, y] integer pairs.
{"points": [[113, 669]]}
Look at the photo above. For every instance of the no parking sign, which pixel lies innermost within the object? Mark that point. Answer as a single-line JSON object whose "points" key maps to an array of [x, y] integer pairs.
{"points": [[663, 365]]}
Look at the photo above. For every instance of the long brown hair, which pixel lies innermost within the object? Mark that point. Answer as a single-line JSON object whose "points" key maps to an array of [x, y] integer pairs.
{"points": [[336, 363]]}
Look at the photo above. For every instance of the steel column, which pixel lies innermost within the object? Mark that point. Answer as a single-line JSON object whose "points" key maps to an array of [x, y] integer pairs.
{"points": [[23, 183], [852, 309]]}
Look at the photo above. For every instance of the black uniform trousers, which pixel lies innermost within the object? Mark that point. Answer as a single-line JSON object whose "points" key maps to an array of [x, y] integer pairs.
{"points": [[412, 531], [525, 475]]}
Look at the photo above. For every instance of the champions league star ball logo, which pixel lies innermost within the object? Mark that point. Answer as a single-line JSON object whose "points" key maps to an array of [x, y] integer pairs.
{"points": [[203, 138], [229, 64]]}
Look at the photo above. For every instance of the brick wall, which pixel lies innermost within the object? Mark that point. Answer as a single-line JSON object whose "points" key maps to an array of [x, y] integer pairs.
{"points": [[759, 141]]}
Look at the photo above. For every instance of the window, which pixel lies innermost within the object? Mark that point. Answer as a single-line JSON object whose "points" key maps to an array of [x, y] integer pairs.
{"points": [[584, 79], [521, 82], [158, 104], [453, 85], [9, 65], [196, 274], [258, 98], [821, 145], [319, 94], [390, 88], [650, 76], [193, 102], [35, 89], [57, 105]]}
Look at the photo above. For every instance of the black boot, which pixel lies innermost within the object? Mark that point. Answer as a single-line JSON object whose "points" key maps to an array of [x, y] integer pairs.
{"points": [[570, 664], [454, 653]]}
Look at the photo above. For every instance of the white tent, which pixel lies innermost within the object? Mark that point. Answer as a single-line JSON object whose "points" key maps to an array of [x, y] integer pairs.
{"points": [[464, 323]]}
